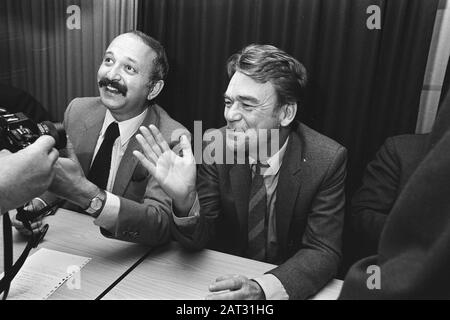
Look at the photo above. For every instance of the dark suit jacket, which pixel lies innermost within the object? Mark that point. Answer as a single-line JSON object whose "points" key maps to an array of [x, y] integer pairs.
{"points": [[413, 254], [309, 209], [383, 180], [145, 209]]}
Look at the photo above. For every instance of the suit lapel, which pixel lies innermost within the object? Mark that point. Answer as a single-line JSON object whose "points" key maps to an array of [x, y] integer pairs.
{"points": [[288, 187], [241, 179], [89, 137], [129, 162]]}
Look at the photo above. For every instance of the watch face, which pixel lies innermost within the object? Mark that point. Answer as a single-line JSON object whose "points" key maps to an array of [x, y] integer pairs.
{"points": [[96, 203]]}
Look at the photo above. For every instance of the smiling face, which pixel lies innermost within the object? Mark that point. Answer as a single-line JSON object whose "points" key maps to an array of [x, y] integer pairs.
{"points": [[124, 76], [249, 107]]}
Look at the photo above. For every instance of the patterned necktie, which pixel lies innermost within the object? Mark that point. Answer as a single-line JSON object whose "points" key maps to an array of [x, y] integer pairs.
{"points": [[257, 217], [99, 172]]}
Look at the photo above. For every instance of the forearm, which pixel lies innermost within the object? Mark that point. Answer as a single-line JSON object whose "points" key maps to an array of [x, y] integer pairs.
{"points": [[80, 193]]}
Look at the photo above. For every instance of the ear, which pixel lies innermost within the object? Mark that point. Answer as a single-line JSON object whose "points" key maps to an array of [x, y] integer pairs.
{"points": [[287, 114], [155, 89]]}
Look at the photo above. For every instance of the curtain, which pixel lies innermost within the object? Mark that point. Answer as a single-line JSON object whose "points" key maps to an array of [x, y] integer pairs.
{"points": [[40, 54]]}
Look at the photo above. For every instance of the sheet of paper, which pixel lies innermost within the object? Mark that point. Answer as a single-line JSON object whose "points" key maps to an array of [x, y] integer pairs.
{"points": [[44, 272]]}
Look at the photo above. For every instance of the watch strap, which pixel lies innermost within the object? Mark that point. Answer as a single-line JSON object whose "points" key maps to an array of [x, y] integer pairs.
{"points": [[94, 210]]}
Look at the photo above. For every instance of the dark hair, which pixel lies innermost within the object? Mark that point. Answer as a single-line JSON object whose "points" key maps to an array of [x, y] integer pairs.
{"points": [[265, 63], [160, 62]]}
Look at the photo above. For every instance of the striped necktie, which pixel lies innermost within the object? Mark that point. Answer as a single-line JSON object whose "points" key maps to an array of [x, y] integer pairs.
{"points": [[257, 216]]}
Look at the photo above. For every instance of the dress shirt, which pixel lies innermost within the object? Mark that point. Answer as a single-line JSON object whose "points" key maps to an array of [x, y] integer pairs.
{"points": [[108, 216]]}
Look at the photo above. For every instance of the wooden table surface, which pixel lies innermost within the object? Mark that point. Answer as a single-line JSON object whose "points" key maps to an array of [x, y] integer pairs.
{"points": [[172, 273], [75, 233], [166, 273]]}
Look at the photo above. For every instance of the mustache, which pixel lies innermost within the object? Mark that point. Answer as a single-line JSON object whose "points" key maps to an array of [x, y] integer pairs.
{"points": [[114, 84]]}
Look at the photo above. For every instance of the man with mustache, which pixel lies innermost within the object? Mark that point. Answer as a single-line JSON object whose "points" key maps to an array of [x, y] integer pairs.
{"points": [[100, 176], [284, 205]]}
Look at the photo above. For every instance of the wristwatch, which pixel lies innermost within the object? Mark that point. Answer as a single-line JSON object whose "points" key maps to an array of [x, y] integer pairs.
{"points": [[97, 203]]}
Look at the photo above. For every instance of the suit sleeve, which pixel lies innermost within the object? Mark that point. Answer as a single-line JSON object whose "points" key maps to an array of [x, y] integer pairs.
{"points": [[374, 199], [317, 260], [200, 230], [146, 222]]}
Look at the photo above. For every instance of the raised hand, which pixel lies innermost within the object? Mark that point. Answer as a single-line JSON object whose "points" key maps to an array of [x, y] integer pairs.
{"points": [[175, 174]]}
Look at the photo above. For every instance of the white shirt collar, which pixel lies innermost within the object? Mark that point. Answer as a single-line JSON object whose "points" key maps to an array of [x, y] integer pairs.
{"points": [[127, 128], [274, 161]]}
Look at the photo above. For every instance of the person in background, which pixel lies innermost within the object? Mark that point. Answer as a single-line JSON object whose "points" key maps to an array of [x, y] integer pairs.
{"points": [[384, 179], [412, 259]]}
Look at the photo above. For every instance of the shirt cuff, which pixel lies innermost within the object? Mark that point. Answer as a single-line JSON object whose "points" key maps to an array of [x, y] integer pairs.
{"points": [[108, 216], [191, 218], [272, 287]]}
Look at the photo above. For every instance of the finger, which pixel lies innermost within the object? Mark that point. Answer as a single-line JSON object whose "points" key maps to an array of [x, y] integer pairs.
{"points": [[230, 295], [228, 284], [36, 225], [25, 232], [53, 156], [151, 141], [70, 151], [44, 142], [145, 162], [225, 277], [186, 146], [148, 151], [17, 224], [4, 153], [162, 143]]}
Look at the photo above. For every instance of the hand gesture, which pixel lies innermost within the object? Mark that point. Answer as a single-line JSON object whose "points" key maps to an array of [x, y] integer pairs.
{"points": [[175, 174]]}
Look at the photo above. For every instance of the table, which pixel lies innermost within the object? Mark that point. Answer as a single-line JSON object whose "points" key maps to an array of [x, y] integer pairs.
{"points": [[173, 273], [75, 233], [123, 270]]}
